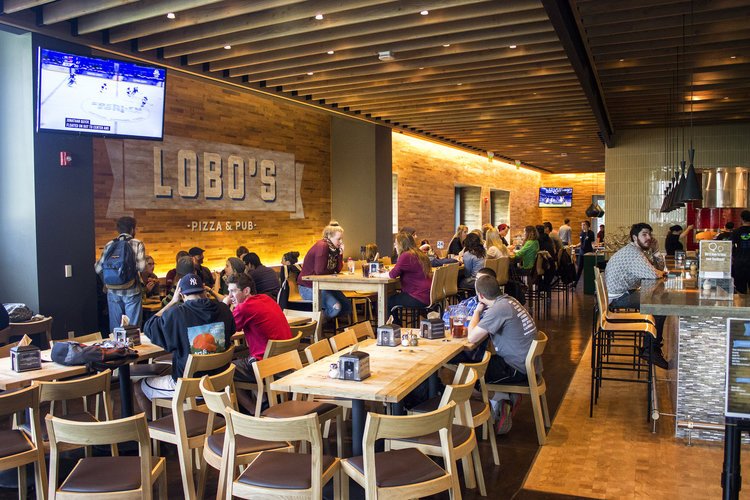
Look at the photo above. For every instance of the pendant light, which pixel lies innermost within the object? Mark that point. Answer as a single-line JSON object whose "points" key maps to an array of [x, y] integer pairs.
{"points": [[594, 210]]}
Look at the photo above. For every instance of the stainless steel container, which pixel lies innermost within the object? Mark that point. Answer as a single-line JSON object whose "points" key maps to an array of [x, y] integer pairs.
{"points": [[725, 187]]}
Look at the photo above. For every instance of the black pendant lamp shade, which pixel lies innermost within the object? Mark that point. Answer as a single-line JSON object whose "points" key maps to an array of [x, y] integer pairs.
{"points": [[692, 190], [594, 210], [677, 198]]}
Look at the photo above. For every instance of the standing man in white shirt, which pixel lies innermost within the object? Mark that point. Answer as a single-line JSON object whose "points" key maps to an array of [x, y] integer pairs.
{"points": [[566, 232]]}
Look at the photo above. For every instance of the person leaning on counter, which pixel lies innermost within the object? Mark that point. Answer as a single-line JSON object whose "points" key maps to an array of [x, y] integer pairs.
{"points": [[636, 261]]}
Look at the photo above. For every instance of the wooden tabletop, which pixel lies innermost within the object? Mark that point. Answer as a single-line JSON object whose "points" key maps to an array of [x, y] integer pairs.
{"points": [[394, 371], [355, 277], [53, 371]]}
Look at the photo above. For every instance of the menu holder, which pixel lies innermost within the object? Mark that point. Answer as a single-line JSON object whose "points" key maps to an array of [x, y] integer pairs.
{"points": [[715, 259]]}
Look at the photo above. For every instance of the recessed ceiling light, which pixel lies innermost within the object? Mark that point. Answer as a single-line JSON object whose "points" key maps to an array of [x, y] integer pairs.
{"points": [[319, 17], [330, 52], [422, 67], [459, 84], [170, 15], [733, 57], [446, 45], [534, 93], [726, 98], [512, 46], [227, 47], [310, 73], [563, 154], [425, 12], [622, 60]]}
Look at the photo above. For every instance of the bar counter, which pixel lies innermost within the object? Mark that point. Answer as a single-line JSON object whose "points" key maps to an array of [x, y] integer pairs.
{"points": [[695, 345]]}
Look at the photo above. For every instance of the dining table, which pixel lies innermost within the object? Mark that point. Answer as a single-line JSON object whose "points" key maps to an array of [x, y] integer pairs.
{"points": [[394, 373], [380, 283], [10, 379]]}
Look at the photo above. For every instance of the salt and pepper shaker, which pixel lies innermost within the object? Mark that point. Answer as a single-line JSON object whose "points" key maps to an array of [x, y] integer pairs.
{"points": [[333, 371], [405, 340], [413, 340]]}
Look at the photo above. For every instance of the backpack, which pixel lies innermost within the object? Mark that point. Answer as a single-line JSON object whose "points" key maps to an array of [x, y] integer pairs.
{"points": [[118, 265]]}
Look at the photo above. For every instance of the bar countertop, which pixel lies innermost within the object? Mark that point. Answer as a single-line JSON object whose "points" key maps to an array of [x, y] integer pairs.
{"points": [[662, 298]]}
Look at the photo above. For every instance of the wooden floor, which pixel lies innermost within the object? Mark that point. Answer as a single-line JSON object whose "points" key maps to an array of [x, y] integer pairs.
{"points": [[615, 454]]}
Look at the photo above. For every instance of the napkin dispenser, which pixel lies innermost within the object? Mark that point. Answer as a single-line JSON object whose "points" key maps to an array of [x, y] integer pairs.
{"points": [[129, 334], [354, 366], [25, 357], [389, 335], [432, 328]]}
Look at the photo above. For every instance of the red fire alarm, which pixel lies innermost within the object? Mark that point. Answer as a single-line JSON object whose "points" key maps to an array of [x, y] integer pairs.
{"points": [[65, 159]]}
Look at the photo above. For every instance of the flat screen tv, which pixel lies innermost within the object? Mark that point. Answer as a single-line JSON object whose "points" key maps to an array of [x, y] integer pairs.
{"points": [[551, 197], [100, 96]]}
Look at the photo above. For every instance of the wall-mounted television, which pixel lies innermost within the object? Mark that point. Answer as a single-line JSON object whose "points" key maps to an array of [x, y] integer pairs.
{"points": [[100, 96], [554, 197]]}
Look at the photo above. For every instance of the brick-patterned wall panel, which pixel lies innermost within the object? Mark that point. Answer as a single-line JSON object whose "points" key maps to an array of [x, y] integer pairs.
{"points": [[428, 174], [201, 111], [584, 187]]}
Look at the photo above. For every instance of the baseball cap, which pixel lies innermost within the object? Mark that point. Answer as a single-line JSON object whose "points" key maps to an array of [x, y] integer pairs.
{"points": [[190, 284], [195, 251], [502, 227]]}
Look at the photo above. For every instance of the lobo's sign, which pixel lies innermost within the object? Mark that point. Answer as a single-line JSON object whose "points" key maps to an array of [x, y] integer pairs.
{"points": [[184, 174]]}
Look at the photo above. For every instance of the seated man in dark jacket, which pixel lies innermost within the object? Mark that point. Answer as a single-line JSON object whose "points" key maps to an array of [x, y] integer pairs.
{"points": [[198, 325]]}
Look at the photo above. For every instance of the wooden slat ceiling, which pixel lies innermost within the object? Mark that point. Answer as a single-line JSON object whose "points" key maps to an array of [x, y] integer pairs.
{"points": [[454, 77], [650, 74]]}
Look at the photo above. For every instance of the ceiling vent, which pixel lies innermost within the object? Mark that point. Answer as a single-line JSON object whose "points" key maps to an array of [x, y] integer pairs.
{"points": [[386, 56]]}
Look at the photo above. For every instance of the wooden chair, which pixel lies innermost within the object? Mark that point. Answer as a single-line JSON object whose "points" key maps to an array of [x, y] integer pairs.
{"points": [[246, 449], [276, 474], [65, 390], [313, 316], [481, 410], [196, 363], [32, 328], [5, 350], [188, 425], [21, 448], [437, 297], [464, 443], [294, 296], [266, 369], [450, 287], [503, 270], [318, 350], [391, 474], [115, 477], [536, 387], [343, 340], [363, 330], [307, 332], [276, 347]]}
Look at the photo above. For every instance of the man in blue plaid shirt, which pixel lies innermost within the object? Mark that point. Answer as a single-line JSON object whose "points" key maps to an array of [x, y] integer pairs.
{"points": [[125, 301]]}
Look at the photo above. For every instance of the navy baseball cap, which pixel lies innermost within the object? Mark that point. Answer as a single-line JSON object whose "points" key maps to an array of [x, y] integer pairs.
{"points": [[190, 284]]}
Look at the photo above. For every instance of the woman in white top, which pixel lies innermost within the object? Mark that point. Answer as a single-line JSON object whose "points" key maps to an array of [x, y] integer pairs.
{"points": [[495, 246]]}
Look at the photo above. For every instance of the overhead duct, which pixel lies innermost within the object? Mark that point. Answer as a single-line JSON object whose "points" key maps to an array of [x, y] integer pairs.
{"points": [[725, 187]]}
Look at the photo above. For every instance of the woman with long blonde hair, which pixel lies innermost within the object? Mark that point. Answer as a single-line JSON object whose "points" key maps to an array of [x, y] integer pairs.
{"points": [[415, 271], [495, 246], [456, 243]]}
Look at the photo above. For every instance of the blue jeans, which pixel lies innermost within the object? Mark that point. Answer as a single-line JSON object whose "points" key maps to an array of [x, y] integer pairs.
{"points": [[332, 302], [129, 305]]}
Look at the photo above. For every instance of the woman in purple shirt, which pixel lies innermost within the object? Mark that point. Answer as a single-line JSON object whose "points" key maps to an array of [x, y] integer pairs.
{"points": [[325, 257], [413, 267]]}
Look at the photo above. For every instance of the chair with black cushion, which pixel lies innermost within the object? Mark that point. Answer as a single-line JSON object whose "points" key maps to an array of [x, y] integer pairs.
{"points": [[246, 449], [97, 385], [278, 474], [536, 388], [19, 448], [464, 442], [265, 371], [115, 477], [188, 426], [43, 327], [406, 473]]}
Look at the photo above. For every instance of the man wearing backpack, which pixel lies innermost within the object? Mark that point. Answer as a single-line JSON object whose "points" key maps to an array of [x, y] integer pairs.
{"points": [[121, 261]]}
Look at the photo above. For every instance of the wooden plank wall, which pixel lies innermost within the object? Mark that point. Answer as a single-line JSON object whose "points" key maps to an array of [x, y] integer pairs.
{"points": [[200, 110]]}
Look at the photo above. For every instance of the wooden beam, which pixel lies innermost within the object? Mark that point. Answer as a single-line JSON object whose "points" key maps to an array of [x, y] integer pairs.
{"points": [[388, 39], [135, 12], [564, 23], [193, 17], [11, 6], [64, 10], [369, 22]]}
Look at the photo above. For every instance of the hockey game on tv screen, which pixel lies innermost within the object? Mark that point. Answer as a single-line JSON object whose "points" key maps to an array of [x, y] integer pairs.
{"points": [[550, 197], [100, 96]]}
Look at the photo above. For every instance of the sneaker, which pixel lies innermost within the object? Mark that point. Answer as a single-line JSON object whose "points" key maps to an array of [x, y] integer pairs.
{"points": [[505, 419], [515, 402], [657, 358]]}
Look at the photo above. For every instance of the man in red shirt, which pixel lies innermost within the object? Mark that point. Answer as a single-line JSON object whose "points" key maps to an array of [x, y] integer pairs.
{"points": [[260, 318]]}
